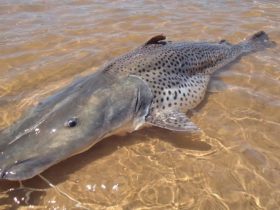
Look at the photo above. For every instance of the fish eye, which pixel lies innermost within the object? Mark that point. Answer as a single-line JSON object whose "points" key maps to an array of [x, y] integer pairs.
{"points": [[72, 122]]}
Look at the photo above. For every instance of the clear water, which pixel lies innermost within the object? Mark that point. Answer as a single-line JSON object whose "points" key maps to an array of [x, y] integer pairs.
{"points": [[235, 164]]}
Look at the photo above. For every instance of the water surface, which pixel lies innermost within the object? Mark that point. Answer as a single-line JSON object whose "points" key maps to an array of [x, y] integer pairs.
{"points": [[234, 164]]}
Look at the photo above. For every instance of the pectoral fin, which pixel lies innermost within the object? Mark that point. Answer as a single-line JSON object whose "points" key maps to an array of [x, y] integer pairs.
{"points": [[172, 120]]}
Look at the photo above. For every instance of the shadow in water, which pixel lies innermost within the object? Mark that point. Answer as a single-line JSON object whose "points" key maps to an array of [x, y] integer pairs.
{"points": [[111, 144], [59, 173]]}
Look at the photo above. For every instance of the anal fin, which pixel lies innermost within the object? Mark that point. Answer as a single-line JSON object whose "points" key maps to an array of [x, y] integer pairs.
{"points": [[172, 120]]}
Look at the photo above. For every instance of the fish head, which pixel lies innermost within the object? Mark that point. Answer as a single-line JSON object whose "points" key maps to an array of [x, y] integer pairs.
{"points": [[70, 122]]}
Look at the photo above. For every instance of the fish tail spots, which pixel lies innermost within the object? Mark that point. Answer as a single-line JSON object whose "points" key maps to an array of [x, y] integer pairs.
{"points": [[257, 41]]}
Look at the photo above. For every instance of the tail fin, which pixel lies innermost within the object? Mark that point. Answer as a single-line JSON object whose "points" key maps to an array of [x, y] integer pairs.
{"points": [[258, 41]]}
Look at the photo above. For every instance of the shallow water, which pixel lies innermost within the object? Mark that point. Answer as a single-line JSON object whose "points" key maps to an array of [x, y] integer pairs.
{"points": [[234, 164]]}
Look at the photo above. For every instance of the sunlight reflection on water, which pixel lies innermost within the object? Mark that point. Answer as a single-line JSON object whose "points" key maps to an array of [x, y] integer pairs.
{"points": [[233, 165]]}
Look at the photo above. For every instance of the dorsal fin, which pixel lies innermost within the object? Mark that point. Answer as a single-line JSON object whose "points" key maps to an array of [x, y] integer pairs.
{"points": [[156, 40], [223, 41]]}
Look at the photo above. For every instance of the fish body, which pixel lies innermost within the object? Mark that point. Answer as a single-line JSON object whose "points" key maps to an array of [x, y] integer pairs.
{"points": [[155, 84], [178, 73]]}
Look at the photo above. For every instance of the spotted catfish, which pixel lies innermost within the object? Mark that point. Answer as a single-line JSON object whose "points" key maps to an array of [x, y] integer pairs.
{"points": [[178, 73], [156, 84]]}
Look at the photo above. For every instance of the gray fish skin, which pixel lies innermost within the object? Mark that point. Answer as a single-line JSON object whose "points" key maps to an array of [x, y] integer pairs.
{"points": [[153, 85], [102, 104], [178, 73]]}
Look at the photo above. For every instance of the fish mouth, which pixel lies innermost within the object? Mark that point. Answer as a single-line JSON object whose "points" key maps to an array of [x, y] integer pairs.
{"points": [[115, 104], [25, 169]]}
